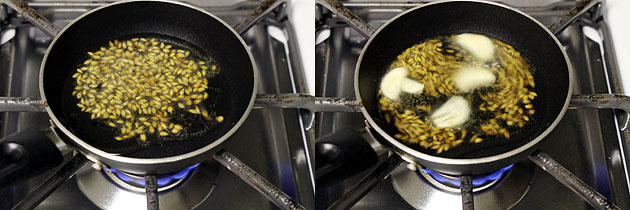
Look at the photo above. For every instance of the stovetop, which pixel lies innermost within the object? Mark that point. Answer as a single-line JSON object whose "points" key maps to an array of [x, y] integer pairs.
{"points": [[271, 141], [587, 142]]}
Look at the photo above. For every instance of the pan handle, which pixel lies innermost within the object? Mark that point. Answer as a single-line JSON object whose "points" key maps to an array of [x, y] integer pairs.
{"points": [[604, 101], [343, 154], [358, 191], [26, 154], [65, 172]]}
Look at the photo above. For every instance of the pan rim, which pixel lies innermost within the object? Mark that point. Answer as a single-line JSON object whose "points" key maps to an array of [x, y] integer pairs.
{"points": [[106, 157], [423, 157]]}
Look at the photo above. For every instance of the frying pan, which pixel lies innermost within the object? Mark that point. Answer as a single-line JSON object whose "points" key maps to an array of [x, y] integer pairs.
{"points": [[552, 74], [232, 92], [352, 151]]}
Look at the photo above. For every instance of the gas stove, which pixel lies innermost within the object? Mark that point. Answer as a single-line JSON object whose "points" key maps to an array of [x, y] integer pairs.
{"points": [[272, 142], [588, 142]]}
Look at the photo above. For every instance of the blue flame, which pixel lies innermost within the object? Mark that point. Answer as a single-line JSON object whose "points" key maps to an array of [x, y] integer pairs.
{"points": [[478, 180], [162, 179]]}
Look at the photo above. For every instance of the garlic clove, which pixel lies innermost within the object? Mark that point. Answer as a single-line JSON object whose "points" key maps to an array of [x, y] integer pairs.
{"points": [[478, 45], [411, 86], [391, 84], [470, 78], [453, 113]]}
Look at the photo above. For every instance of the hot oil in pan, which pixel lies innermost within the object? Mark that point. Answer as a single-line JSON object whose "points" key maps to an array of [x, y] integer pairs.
{"points": [[452, 95], [195, 126]]}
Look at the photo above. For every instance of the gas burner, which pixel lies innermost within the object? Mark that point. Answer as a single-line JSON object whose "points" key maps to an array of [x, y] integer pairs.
{"points": [[136, 182], [185, 189], [422, 190], [451, 183]]}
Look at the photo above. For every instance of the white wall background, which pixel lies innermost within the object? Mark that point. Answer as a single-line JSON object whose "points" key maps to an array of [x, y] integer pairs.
{"points": [[617, 14], [302, 14]]}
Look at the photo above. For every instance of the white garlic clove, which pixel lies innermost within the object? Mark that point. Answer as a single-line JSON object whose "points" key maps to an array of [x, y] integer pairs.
{"points": [[470, 78], [411, 86], [453, 113], [478, 45], [391, 84]]}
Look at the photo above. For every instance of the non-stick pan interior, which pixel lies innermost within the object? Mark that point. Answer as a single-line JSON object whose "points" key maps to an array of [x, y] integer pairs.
{"points": [[536, 45], [230, 91]]}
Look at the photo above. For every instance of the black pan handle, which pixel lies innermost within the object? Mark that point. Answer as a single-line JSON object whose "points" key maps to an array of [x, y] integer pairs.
{"points": [[358, 191], [26, 154], [342, 154]]}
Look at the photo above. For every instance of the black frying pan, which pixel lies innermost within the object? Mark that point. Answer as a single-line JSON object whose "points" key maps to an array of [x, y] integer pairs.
{"points": [[552, 74], [537, 44], [231, 93]]}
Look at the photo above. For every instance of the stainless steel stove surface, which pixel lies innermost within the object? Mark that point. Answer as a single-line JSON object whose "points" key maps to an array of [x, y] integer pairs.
{"points": [[588, 142], [271, 141]]}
